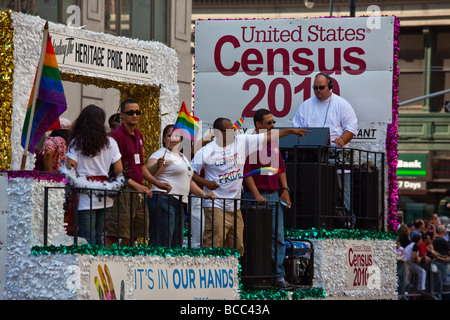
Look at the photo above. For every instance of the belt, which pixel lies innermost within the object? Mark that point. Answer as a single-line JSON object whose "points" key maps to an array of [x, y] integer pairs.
{"points": [[262, 191], [97, 178]]}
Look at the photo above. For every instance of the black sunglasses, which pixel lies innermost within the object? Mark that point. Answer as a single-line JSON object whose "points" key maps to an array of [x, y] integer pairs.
{"points": [[132, 112], [319, 88], [270, 122]]}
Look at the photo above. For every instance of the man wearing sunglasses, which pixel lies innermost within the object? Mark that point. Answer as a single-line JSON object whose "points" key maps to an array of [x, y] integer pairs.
{"points": [[329, 110], [131, 143], [273, 188], [326, 109]]}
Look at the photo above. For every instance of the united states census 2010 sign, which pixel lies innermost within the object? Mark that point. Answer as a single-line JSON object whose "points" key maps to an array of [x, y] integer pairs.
{"points": [[244, 65]]}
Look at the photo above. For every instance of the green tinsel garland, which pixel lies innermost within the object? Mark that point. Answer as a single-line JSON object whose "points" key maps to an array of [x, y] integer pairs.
{"points": [[95, 250], [345, 234], [313, 234], [273, 294]]}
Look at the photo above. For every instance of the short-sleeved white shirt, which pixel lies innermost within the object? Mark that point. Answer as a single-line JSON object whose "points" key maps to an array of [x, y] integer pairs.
{"points": [[225, 166], [95, 166], [177, 172], [335, 113]]}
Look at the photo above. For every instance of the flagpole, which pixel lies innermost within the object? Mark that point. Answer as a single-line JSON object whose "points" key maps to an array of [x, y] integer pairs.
{"points": [[35, 94]]}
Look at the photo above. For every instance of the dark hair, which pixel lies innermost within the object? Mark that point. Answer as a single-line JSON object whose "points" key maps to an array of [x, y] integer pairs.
{"points": [[114, 117], [416, 238], [63, 133], [166, 129], [218, 123], [418, 223], [125, 102], [259, 115], [88, 133]]}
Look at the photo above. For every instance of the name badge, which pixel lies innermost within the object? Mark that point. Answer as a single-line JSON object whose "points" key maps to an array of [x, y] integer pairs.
{"points": [[137, 158]]}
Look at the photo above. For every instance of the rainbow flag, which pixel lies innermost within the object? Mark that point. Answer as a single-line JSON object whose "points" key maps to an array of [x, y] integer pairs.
{"points": [[186, 124], [50, 100], [238, 123], [264, 170]]}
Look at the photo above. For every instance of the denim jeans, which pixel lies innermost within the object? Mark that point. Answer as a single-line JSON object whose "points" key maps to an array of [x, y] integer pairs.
{"points": [[91, 224], [442, 276], [166, 224], [277, 235]]}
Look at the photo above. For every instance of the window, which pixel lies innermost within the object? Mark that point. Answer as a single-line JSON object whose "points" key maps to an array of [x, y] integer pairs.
{"points": [[141, 19], [52, 10]]}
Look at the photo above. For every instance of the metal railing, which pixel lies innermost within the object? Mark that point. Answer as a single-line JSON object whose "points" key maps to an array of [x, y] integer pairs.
{"points": [[409, 286], [260, 256], [335, 188]]}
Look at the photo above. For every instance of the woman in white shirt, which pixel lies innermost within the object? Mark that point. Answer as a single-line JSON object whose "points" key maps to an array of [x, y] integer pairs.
{"points": [[167, 213], [91, 153]]}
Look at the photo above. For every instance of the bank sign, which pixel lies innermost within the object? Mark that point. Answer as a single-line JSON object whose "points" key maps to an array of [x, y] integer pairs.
{"points": [[245, 65], [412, 164]]}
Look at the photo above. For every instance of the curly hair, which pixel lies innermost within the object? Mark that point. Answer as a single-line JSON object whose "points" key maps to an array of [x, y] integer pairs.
{"points": [[88, 133]]}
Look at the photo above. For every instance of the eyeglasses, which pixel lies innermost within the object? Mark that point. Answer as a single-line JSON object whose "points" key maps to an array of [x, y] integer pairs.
{"points": [[270, 122], [132, 112], [319, 88]]}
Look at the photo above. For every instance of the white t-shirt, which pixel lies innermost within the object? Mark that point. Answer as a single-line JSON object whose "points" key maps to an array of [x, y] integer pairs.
{"points": [[225, 166], [177, 172], [95, 166], [335, 113]]}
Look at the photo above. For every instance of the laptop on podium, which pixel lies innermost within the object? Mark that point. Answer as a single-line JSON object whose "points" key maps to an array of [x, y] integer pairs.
{"points": [[317, 137]]}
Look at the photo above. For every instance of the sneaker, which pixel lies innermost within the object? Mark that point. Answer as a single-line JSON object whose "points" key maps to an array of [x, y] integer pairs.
{"points": [[284, 285]]}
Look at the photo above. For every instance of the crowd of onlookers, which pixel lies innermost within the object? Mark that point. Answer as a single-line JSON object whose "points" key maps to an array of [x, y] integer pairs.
{"points": [[423, 254]]}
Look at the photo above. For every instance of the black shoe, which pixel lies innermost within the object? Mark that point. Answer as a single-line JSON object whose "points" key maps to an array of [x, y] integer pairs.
{"points": [[284, 285]]}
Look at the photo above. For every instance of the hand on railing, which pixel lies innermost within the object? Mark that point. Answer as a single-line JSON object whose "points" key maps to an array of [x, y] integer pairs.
{"points": [[210, 196], [164, 186]]}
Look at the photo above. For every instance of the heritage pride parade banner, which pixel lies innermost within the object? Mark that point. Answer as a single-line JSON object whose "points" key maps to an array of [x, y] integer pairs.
{"points": [[245, 65]]}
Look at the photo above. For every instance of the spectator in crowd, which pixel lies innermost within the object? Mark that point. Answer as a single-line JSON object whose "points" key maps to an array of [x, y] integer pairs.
{"points": [[92, 158], [442, 248], [419, 227], [167, 213], [131, 143], [413, 261], [404, 235]]}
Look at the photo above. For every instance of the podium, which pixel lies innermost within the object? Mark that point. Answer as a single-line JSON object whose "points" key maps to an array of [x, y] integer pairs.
{"points": [[257, 272], [311, 178]]}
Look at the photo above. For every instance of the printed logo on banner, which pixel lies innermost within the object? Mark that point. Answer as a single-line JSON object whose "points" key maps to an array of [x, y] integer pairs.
{"points": [[107, 280], [361, 271]]}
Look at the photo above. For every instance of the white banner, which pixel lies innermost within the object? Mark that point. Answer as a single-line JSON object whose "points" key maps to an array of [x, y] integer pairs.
{"points": [[100, 57], [245, 65], [162, 281]]}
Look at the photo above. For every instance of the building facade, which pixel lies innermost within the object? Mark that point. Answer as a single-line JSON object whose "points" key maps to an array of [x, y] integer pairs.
{"points": [[424, 62], [166, 21]]}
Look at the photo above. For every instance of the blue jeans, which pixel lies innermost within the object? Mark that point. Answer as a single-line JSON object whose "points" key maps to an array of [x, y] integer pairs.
{"points": [[277, 235], [166, 224], [91, 224], [442, 267]]}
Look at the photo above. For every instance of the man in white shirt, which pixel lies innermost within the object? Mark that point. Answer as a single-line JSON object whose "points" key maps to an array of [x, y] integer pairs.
{"points": [[326, 109], [223, 162]]}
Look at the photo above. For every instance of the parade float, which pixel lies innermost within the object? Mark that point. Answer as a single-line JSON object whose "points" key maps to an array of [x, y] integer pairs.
{"points": [[356, 264]]}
